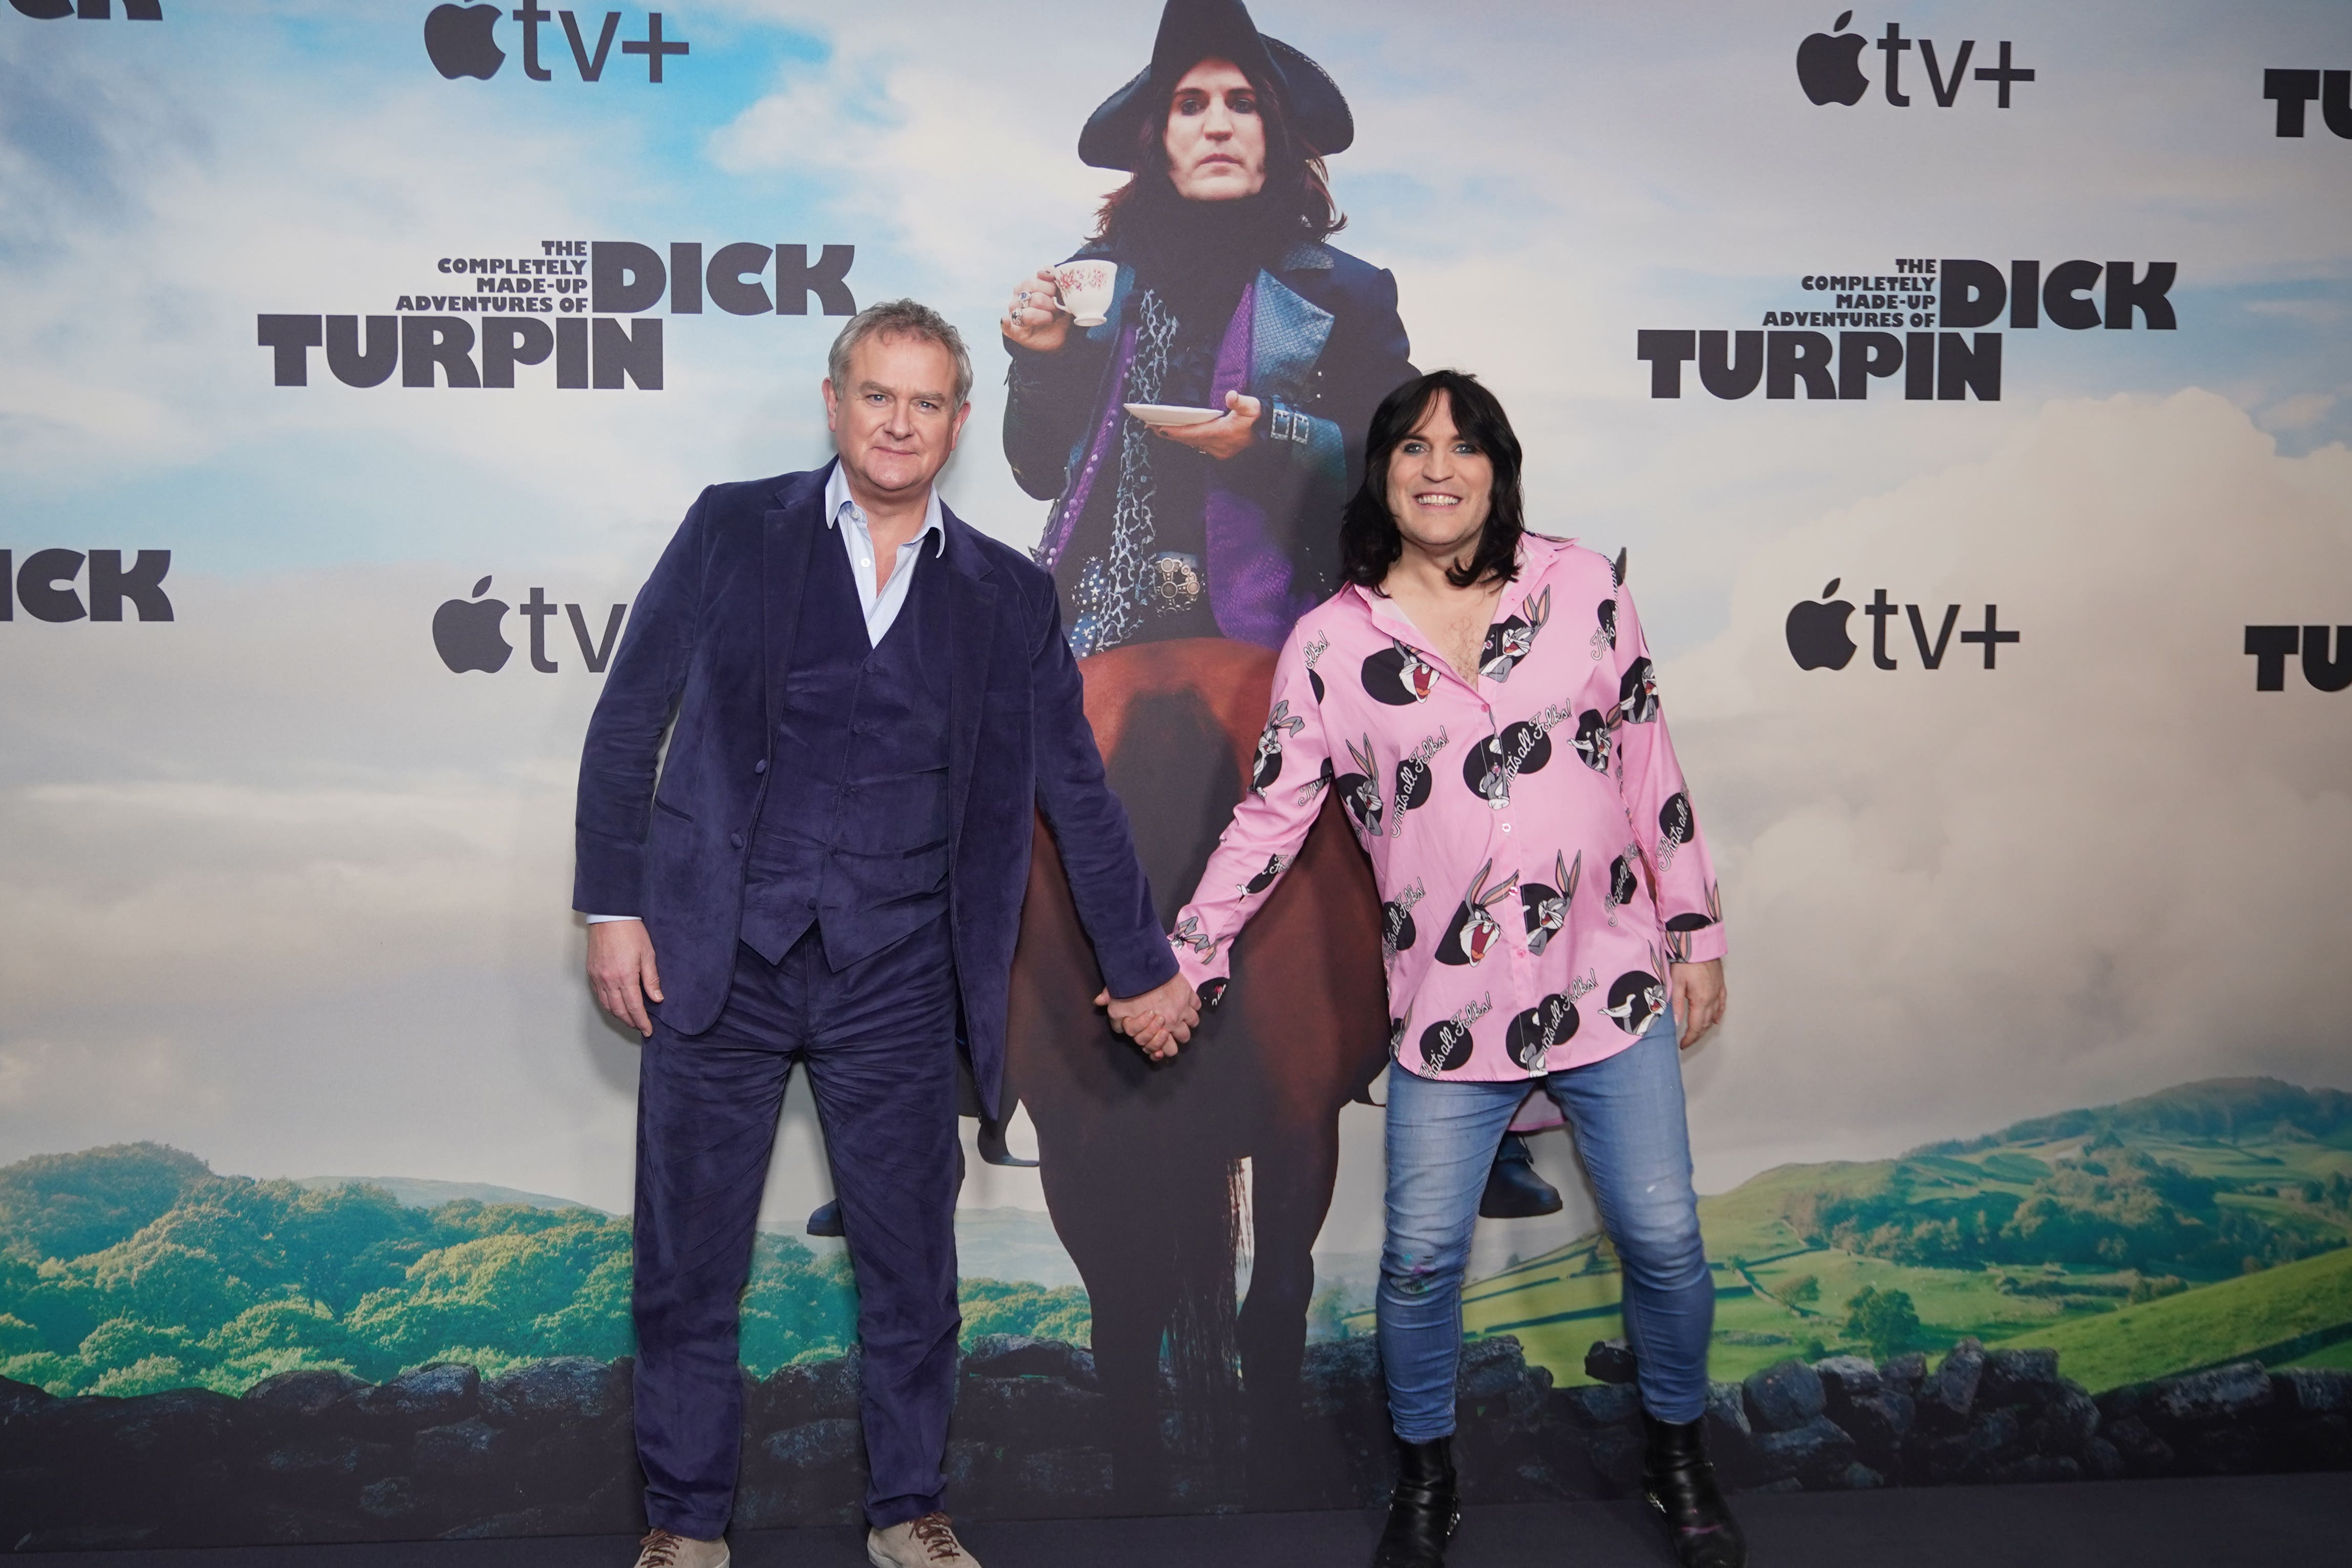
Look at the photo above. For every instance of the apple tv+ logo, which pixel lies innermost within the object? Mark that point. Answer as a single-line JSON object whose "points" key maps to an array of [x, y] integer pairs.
{"points": [[89, 10], [1829, 66], [462, 41], [469, 632], [2270, 646], [1818, 638], [44, 585]]}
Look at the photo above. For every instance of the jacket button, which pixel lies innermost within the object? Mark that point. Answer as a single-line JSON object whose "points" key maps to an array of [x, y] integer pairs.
{"points": [[761, 766], [735, 839]]}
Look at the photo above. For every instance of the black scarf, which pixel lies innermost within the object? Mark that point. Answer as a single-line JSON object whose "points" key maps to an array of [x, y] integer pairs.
{"points": [[1199, 255]]}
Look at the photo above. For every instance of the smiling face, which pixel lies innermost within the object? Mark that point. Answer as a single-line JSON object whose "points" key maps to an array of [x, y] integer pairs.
{"points": [[897, 420], [1217, 137], [1440, 485]]}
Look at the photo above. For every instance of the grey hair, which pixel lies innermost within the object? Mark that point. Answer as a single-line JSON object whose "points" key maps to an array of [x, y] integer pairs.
{"points": [[908, 316]]}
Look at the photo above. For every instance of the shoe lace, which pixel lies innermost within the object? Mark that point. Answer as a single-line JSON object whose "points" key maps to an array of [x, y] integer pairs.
{"points": [[936, 1535], [661, 1548]]}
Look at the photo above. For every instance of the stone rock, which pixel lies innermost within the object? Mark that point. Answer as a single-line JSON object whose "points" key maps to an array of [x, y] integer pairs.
{"points": [[1026, 1412], [1848, 1377], [2017, 1377], [1860, 1478], [1730, 1439], [2105, 1460], [327, 1458], [835, 1441], [1610, 1361], [564, 1388], [461, 1450], [1977, 1454], [21, 1400], [1877, 1422], [1785, 1396], [433, 1396], [2225, 1394], [810, 1391], [2314, 1391], [177, 1422], [1592, 1405], [1814, 1454], [392, 1498], [308, 1392], [1491, 1369], [1905, 1372], [2142, 1451], [1017, 1356], [2066, 1426], [1057, 1476], [1615, 1453], [1948, 1398]]}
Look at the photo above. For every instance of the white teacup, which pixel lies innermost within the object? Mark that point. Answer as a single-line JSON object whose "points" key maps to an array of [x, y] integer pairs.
{"points": [[1087, 288]]}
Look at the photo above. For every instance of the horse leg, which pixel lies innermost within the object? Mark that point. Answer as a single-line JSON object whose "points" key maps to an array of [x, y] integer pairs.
{"points": [[1115, 1223], [1290, 1193]]}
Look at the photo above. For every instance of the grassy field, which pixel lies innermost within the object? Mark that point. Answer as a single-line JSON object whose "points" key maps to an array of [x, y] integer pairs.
{"points": [[1777, 1296], [2215, 1324]]}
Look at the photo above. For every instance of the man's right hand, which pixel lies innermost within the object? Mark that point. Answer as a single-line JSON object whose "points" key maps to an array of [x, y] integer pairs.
{"points": [[621, 971], [1034, 318]]}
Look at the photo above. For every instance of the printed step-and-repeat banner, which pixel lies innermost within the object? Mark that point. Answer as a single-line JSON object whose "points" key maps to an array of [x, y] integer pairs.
{"points": [[1964, 382]]}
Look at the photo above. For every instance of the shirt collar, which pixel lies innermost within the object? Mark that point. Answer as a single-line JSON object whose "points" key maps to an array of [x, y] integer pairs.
{"points": [[837, 495]]}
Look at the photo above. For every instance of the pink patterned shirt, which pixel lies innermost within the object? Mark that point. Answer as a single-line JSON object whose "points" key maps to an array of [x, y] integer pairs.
{"points": [[1533, 840]]}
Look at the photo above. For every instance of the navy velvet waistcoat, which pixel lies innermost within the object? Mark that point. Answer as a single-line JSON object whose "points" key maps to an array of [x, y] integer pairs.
{"points": [[853, 836]]}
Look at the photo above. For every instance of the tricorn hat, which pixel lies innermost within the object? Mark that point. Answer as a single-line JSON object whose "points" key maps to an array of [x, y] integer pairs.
{"points": [[1192, 31]]}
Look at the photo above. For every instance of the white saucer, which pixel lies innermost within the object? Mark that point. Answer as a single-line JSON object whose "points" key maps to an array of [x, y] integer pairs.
{"points": [[1171, 413]]}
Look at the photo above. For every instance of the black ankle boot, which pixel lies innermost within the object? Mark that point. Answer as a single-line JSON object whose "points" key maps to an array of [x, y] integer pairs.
{"points": [[1423, 1510], [1680, 1484], [1514, 1190]]}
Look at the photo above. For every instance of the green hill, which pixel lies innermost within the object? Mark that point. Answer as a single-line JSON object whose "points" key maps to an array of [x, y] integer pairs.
{"points": [[2270, 1311], [2047, 1228]]}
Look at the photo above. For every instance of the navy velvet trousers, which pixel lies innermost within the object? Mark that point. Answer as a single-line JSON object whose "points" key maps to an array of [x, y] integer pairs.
{"points": [[878, 1039]]}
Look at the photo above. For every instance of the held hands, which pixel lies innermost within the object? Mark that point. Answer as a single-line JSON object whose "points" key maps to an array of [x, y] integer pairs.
{"points": [[1699, 998], [621, 971], [1225, 437], [1158, 1020], [1035, 318]]}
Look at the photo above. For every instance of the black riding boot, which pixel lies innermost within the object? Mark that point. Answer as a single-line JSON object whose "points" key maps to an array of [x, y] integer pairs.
{"points": [[1423, 1510], [1680, 1484], [1514, 1190]]}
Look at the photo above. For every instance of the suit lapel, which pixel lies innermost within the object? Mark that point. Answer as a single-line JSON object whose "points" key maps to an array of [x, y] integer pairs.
{"points": [[787, 544], [972, 635]]}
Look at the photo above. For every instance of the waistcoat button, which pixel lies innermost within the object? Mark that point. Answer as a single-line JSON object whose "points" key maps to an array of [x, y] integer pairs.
{"points": [[735, 839], [761, 766]]}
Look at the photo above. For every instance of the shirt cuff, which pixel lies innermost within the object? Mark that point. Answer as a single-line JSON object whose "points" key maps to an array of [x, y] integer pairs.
{"points": [[601, 919]]}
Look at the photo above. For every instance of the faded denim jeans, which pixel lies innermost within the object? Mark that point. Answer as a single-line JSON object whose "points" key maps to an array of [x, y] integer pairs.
{"points": [[1627, 1112]]}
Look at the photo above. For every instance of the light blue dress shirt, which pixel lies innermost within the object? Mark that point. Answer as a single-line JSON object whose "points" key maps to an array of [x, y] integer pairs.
{"points": [[846, 519]]}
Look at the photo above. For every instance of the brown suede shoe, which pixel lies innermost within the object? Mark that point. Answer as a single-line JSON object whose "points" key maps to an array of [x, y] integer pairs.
{"points": [[667, 1549], [926, 1542]]}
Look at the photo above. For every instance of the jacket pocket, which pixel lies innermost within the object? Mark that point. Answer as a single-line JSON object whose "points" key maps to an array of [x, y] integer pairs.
{"points": [[662, 805]]}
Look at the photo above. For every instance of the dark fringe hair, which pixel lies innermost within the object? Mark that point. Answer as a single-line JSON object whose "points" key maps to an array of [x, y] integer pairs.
{"points": [[1369, 540], [1297, 181]]}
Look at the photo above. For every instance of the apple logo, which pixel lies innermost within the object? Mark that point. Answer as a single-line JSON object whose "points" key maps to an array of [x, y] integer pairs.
{"points": [[1817, 638], [458, 38], [466, 635], [1827, 65]]}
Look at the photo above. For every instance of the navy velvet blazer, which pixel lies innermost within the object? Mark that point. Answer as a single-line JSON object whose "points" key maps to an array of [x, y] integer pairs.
{"points": [[707, 639]]}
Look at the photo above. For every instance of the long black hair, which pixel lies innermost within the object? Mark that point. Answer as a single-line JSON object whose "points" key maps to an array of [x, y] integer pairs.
{"points": [[1296, 201], [1369, 540]]}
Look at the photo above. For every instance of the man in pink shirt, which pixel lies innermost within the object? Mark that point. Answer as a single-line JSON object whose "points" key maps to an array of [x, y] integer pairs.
{"points": [[1481, 700]]}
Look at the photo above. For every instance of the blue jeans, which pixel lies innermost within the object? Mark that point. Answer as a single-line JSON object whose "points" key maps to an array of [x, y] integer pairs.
{"points": [[1627, 1111]]}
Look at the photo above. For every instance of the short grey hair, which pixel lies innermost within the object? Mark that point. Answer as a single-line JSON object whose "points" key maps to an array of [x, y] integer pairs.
{"points": [[910, 316]]}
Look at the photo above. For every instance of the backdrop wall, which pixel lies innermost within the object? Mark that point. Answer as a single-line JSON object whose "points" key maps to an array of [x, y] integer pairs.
{"points": [[1978, 446]]}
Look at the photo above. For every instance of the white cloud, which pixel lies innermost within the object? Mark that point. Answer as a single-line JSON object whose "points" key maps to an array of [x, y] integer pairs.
{"points": [[1961, 896]]}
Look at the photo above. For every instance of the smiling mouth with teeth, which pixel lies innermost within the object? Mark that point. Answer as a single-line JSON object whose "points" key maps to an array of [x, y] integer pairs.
{"points": [[1437, 500]]}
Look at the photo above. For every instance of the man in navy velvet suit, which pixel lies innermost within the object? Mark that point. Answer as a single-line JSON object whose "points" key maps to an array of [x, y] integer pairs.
{"points": [[871, 702]]}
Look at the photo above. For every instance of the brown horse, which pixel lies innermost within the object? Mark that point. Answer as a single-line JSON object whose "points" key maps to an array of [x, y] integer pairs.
{"points": [[1141, 1163]]}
